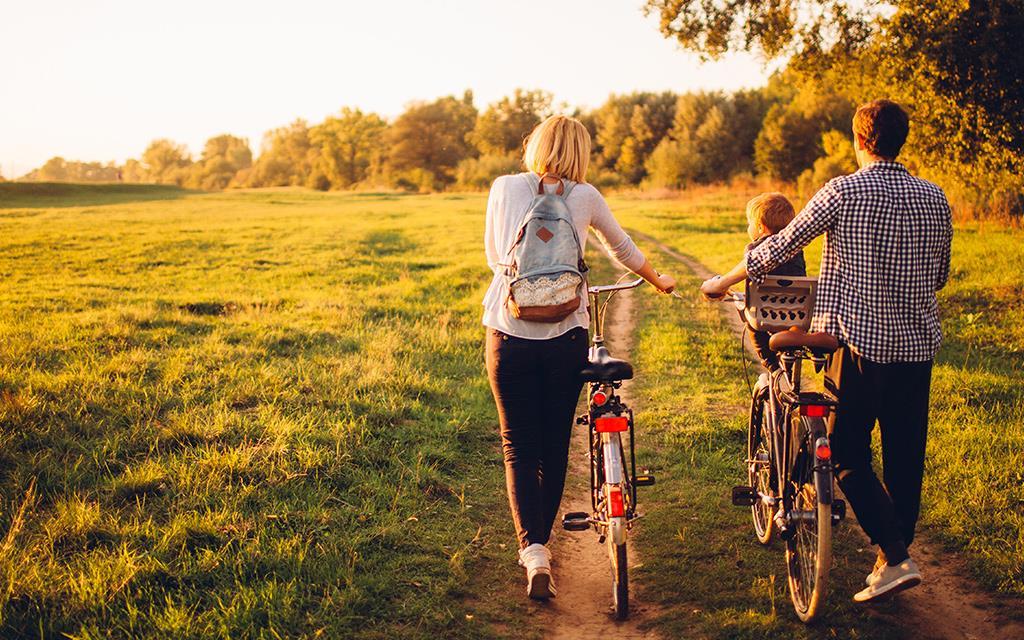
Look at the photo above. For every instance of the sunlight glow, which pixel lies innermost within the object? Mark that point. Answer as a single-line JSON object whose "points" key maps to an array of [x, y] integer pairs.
{"points": [[99, 80]]}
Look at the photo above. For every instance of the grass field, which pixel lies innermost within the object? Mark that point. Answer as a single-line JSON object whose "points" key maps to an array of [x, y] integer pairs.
{"points": [[974, 483], [243, 415], [264, 414]]}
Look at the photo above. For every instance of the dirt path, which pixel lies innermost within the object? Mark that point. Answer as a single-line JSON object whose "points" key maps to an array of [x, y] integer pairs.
{"points": [[580, 565], [949, 604]]}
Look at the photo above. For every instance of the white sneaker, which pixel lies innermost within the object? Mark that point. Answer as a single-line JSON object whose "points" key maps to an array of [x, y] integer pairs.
{"points": [[876, 571], [537, 560], [891, 580]]}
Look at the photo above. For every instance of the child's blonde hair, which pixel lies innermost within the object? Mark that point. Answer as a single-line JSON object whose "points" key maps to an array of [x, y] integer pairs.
{"points": [[560, 146], [772, 211]]}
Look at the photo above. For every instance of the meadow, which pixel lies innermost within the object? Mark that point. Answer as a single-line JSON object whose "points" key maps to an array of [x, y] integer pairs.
{"points": [[242, 415], [974, 484], [264, 414]]}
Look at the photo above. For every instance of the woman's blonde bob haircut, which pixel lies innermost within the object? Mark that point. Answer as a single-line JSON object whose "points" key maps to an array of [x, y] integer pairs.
{"points": [[560, 146]]}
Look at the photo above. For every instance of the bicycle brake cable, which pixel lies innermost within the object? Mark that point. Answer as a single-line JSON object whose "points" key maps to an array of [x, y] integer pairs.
{"points": [[745, 362], [604, 307]]}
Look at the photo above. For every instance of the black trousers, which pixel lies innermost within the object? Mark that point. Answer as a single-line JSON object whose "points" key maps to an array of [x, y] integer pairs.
{"points": [[536, 386], [896, 396], [769, 359]]}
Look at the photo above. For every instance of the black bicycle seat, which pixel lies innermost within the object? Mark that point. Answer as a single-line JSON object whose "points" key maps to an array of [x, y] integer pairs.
{"points": [[603, 367]]}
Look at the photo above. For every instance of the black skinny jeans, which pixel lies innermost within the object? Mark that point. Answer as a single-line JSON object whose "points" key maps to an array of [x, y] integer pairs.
{"points": [[896, 395], [536, 386]]}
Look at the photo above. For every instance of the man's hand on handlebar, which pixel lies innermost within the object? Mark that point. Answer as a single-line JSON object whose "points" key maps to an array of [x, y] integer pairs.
{"points": [[714, 288]]}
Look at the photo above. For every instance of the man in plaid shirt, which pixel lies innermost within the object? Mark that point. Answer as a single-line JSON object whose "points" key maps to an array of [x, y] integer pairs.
{"points": [[886, 253]]}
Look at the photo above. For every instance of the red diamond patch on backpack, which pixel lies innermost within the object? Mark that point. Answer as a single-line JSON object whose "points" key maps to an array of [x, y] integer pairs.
{"points": [[544, 234]]}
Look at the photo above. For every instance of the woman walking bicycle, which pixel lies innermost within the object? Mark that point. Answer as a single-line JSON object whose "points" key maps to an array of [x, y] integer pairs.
{"points": [[536, 317]]}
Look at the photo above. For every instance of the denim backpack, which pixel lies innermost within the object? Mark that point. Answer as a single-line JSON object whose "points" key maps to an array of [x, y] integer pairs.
{"points": [[544, 267]]}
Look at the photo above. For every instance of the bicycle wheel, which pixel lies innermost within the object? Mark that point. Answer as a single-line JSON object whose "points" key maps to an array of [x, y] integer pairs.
{"points": [[620, 578], [809, 552], [759, 467]]}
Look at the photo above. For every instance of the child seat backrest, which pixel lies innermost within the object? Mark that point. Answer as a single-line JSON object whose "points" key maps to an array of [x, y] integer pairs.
{"points": [[780, 302]]}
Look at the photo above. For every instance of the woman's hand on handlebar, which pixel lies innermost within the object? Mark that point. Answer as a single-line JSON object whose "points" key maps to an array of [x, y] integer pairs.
{"points": [[714, 288], [665, 283]]}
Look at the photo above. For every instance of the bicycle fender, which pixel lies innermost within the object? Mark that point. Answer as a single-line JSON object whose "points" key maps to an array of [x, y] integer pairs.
{"points": [[823, 478], [617, 530]]}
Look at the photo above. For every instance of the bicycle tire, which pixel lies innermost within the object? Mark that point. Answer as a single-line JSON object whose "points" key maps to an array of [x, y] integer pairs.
{"points": [[809, 552], [620, 578], [759, 473]]}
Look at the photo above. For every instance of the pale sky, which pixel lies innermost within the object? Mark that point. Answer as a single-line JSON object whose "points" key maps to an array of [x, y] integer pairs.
{"points": [[99, 79]]}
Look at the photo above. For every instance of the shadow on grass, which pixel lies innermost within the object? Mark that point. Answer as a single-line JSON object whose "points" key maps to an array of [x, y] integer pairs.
{"points": [[48, 195]]}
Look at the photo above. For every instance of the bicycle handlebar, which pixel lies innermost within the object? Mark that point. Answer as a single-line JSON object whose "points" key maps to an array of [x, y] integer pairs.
{"points": [[615, 287]]}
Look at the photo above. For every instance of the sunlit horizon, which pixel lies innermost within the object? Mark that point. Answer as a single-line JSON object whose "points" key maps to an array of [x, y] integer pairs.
{"points": [[99, 83]]}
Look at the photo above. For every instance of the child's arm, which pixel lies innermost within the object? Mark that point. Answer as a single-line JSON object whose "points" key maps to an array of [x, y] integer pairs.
{"points": [[816, 218]]}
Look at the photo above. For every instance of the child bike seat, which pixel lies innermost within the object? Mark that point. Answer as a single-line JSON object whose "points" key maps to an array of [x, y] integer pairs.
{"points": [[603, 367], [780, 302], [796, 338]]}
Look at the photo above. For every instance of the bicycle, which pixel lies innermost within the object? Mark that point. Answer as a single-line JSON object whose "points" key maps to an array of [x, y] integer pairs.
{"points": [[613, 479], [790, 473]]}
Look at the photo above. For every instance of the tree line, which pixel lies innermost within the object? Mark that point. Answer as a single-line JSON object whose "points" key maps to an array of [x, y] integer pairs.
{"points": [[955, 65], [640, 139]]}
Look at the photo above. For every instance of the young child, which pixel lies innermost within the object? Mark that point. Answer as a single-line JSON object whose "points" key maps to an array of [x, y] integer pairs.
{"points": [[767, 214]]}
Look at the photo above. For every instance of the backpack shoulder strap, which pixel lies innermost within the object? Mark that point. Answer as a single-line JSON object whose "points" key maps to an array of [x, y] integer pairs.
{"points": [[533, 181], [569, 186]]}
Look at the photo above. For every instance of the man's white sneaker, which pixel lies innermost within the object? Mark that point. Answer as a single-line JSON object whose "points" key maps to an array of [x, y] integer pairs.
{"points": [[891, 580], [536, 558]]}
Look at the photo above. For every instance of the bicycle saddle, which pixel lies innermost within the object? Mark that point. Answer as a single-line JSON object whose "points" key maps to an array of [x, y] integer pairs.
{"points": [[604, 367], [796, 338]]}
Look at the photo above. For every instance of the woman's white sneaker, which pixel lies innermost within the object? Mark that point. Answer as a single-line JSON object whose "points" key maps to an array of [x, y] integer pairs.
{"points": [[891, 580], [876, 571], [536, 558]]}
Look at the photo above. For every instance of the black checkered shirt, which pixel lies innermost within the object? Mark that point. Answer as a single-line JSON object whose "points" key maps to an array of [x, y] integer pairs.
{"points": [[886, 253]]}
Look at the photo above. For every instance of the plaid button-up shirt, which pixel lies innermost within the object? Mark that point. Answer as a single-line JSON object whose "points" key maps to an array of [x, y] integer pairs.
{"points": [[886, 253]]}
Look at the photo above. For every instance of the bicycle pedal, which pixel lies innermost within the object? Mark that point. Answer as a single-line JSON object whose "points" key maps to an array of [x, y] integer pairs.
{"points": [[744, 496], [838, 510], [576, 521], [645, 480]]}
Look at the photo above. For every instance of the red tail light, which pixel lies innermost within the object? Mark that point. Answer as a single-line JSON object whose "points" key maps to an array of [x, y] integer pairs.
{"points": [[611, 425], [617, 508], [823, 452], [814, 410], [600, 397]]}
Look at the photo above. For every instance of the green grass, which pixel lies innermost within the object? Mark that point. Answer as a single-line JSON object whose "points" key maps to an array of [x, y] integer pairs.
{"points": [[974, 487], [246, 415], [45, 195], [264, 414], [701, 561]]}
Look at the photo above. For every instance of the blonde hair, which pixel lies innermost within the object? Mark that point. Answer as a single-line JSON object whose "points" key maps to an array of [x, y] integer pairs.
{"points": [[560, 146], [772, 210]]}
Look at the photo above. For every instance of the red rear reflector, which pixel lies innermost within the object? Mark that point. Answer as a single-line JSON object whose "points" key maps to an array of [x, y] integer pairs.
{"points": [[600, 398], [814, 410], [823, 451], [611, 425], [615, 501]]}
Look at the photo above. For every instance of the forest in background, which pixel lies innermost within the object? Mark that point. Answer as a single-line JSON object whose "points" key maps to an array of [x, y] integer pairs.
{"points": [[954, 64]]}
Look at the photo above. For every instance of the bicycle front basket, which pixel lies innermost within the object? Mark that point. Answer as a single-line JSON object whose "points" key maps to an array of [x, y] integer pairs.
{"points": [[780, 302]]}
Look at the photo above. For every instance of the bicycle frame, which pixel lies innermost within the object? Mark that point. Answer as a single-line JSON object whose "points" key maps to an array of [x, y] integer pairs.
{"points": [[606, 447], [784, 398], [790, 472], [613, 477]]}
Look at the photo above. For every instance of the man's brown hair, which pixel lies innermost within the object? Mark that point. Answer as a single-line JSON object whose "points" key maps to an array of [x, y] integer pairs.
{"points": [[883, 125], [772, 210]]}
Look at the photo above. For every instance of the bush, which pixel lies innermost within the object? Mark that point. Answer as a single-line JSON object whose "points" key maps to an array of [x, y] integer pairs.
{"points": [[838, 160], [478, 173], [603, 178], [416, 180]]}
